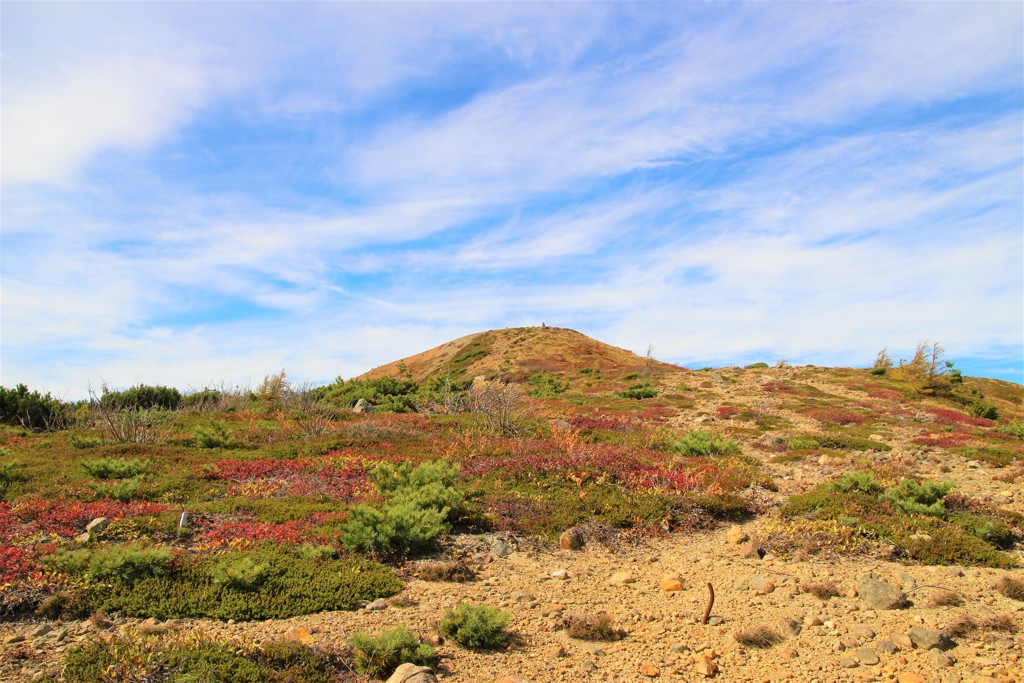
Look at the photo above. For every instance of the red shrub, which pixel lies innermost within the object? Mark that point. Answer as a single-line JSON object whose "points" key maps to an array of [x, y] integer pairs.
{"points": [[726, 412], [954, 417]]}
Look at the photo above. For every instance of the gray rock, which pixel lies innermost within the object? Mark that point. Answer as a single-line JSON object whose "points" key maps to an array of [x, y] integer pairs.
{"points": [[97, 525], [939, 658], [501, 548], [363, 406], [751, 550], [862, 632], [926, 638], [377, 605], [866, 655], [560, 574], [790, 626], [411, 673], [879, 594], [82, 539], [762, 584], [848, 663], [887, 646], [40, 630]]}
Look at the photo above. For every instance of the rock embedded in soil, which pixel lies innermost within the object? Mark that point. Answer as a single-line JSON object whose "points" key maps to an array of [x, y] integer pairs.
{"points": [[571, 540], [411, 673], [927, 639], [879, 594]]}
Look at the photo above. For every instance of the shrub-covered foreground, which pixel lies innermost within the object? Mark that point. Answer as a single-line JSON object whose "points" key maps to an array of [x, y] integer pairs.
{"points": [[923, 519], [264, 583], [191, 656]]}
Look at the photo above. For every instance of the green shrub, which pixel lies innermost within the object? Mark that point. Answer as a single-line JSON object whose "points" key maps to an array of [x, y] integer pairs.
{"points": [[192, 656], [925, 498], [116, 468], [308, 551], [801, 443], [240, 573], [388, 394], [984, 410], [32, 410], [546, 385], [382, 654], [400, 528], [141, 397], [698, 443], [71, 562], [992, 531], [996, 457], [213, 436], [291, 586], [418, 504], [8, 475], [862, 481], [127, 564], [1014, 429], [475, 626], [82, 442], [123, 490], [204, 399], [638, 391], [757, 366]]}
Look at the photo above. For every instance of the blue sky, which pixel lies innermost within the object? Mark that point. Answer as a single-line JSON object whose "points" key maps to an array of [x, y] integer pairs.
{"points": [[205, 193]]}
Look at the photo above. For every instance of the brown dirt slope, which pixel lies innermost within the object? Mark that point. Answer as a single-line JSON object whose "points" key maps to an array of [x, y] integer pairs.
{"points": [[516, 353]]}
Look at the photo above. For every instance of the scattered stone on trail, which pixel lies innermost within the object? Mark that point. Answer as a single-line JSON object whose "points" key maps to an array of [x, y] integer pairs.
{"points": [[866, 655], [298, 634], [571, 540], [512, 679], [671, 585], [589, 667], [751, 550], [887, 646], [926, 638], [939, 658], [560, 574], [649, 670], [97, 525], [879, 594], [622, 578], [377, 605], [362, 406], [704, 665], [848, 662], [411, 673], [862, 632], [736, 535], [910, 677], [501, 548], [790, 626], [902, 641], [762, 585], [14, 638], [83, 538], [558, 651], [40, 630]]}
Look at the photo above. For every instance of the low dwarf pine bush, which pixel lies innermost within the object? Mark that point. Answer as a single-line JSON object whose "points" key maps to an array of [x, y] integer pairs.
{"points": [[476, 626], [381, 654]]}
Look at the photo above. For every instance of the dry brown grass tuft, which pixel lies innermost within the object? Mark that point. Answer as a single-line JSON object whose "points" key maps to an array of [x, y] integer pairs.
{"points": [[454, 572], [759, 636], [823, 590], [1011, 588], [599, 626], [946, 599]]}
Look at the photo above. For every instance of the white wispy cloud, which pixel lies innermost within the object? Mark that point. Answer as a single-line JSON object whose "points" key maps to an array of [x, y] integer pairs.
{"points": [[204, 192]]}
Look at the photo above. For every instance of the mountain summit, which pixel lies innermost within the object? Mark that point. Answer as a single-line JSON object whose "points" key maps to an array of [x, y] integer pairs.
{"points": [[517, 353]]}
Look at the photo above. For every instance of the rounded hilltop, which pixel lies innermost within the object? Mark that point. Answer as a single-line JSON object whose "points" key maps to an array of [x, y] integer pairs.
{"points": [[517, 353]]}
